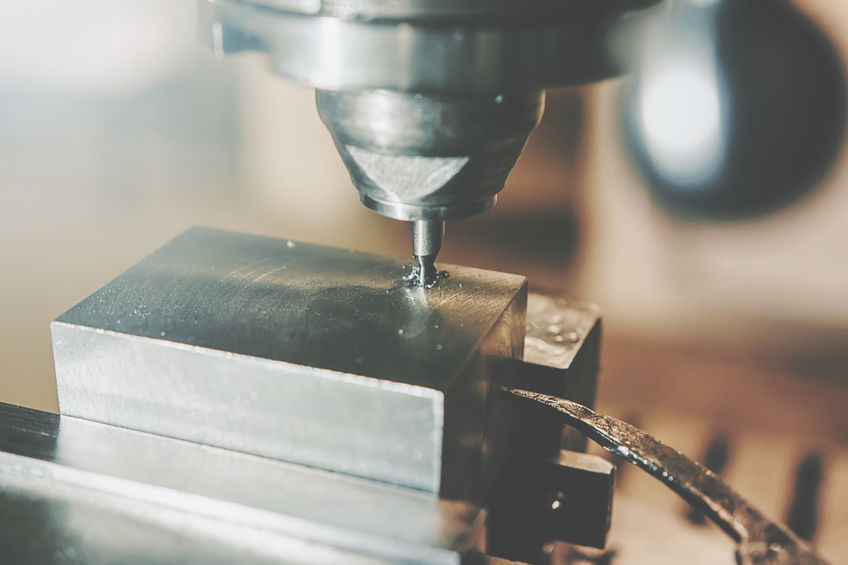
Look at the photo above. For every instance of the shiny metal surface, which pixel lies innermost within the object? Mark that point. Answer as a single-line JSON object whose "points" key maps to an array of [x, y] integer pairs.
{"points": [[75, 491], [429, 157], [430, 103], [320, 356], [558, 329], [414, 9], [426, 243], [482, 47], [544, 493], [760, 540]]}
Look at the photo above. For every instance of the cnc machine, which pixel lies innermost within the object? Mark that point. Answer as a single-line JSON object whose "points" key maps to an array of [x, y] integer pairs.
{"points": [[235, 398]]}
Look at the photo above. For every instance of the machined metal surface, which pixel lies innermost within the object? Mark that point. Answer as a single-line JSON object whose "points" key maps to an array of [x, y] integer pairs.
{"points": [[320, 356], [325, 358], [75, 491], [760, 540]]}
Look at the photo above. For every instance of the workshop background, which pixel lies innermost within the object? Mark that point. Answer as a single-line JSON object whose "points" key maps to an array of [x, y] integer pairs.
{"points": [[119, 130]]}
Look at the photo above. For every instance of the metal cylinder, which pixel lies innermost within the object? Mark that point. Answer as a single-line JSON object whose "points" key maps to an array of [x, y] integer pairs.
{"points": [[427, 237], [419, 157]]}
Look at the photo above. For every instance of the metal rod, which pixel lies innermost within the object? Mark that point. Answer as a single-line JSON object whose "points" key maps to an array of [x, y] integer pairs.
{"points": [[426, 242]]}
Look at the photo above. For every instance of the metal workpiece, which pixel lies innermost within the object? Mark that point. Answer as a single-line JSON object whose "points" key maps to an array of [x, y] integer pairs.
{"points": [[308, 401], [303, 353], [74, 491], [760, 540]]}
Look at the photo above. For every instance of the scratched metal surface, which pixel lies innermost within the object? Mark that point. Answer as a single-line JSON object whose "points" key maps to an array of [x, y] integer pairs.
{"points": [[336, 309], [310, 354], [760, 541]]}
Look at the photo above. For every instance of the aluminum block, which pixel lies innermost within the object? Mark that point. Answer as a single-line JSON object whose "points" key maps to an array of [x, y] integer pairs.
{"points": [[303, 353]]}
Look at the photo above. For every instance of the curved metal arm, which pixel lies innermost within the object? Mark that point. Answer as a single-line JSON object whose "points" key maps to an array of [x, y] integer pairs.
{"points": [[760, 541]]}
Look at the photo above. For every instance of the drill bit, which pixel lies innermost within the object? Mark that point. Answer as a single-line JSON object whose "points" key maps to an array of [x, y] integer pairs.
{"points": [[426, 241]]}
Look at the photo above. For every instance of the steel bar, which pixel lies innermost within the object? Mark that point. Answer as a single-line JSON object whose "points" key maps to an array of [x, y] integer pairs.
{"points": [[304, 353]]}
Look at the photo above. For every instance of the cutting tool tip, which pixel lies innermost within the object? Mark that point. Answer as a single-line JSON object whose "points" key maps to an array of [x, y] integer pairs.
{"points": [[426, 242]]}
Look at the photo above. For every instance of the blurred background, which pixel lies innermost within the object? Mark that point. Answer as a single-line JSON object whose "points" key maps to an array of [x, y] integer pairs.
{"points": [[724, 290]]}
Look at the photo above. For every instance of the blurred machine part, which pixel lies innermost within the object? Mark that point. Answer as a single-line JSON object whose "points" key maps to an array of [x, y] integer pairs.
{"points": [[729, 120], [335, 326]]}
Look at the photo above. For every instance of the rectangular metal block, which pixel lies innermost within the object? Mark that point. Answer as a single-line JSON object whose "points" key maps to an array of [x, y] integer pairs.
{"points": [[299, 352]]}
